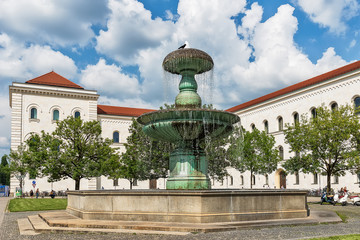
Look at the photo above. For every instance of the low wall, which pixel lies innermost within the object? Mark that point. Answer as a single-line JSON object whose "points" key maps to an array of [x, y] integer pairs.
{"points": [[204, 206]]}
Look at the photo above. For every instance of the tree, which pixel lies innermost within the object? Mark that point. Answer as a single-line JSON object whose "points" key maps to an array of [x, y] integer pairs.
{"points": [[74, 150], [19, 163], [143, 158], [4, 171], [256, 153], [222, 153], [323, 144]]}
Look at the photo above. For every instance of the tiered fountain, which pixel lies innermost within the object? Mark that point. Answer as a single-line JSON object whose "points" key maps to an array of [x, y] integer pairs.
{"points": [[188, 198], [187, 125]]}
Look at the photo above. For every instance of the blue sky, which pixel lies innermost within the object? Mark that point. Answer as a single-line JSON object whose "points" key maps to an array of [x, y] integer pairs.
{"points": [[117, 46]]}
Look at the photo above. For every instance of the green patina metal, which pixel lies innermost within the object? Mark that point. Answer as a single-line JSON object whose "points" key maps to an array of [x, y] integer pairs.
{"points": [[187, 125]]}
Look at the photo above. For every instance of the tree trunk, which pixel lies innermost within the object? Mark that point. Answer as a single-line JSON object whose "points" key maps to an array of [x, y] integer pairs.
{"points": [[328, 180], [131, 184], [77, 184]]}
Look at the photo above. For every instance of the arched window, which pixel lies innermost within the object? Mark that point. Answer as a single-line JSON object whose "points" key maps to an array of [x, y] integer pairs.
{"points": [[334, 106], [296, 118], [252, 126], [77, 114], [253, 179], [281, 153], [116, 137], [231, 180], [313, 112], [280, 123], [241, 180], [266, 126], [357, 105], [336, 180], [56, 115], [33, 113]]}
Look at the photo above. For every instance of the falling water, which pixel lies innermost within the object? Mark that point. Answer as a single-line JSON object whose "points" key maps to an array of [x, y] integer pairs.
{"points": [[171, 86], [205, 83]]}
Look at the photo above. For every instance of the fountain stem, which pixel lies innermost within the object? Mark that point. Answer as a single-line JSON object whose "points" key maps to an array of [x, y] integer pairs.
{"points": [[188, 97]]}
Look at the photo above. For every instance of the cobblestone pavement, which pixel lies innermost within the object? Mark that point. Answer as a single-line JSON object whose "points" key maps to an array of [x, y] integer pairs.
{"points": [[9, 230]]}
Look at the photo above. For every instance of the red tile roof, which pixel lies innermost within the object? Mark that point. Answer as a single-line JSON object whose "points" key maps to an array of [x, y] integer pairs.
{"points": [[121, 111], [54, 79], [318, 79]]}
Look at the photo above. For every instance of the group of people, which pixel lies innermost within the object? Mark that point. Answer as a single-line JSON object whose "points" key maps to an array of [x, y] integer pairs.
{"points": [[37, 193], [343, 191]]}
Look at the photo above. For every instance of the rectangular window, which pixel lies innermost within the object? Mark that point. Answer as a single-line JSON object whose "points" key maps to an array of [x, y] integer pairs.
{"points": [[315, 178], [116, 182], [297, 178], [335, 179]]}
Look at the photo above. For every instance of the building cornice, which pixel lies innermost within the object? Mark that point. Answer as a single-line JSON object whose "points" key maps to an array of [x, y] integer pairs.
{"points": [[108, 118], [51, 91]]}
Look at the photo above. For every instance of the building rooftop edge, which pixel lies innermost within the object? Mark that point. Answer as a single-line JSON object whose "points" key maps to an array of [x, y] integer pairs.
{"points": [[121, 111], [298, 86]]}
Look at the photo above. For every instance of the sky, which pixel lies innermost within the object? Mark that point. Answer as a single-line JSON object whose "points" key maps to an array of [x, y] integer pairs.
{"points": [[117, 46]]}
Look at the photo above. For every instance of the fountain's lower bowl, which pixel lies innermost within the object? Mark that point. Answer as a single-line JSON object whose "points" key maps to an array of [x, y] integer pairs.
{"points": [[176, 125]]}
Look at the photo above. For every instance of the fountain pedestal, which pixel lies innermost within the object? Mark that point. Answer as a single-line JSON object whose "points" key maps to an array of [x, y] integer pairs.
{"points": [[188, 169]]}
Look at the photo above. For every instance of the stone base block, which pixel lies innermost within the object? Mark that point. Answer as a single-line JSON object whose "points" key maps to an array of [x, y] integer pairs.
{"points": [[188, 206]]}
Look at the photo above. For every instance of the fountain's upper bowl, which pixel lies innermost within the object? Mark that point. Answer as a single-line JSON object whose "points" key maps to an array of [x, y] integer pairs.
{"points": [[188, 59], [176, 125]]}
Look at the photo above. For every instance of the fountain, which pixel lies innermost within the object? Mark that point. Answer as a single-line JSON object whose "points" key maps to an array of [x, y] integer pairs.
{"points": [[188, 197], [187, 125]]}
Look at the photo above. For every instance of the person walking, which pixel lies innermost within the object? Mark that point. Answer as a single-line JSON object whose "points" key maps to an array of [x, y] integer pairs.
{"points": [[37, 193]]}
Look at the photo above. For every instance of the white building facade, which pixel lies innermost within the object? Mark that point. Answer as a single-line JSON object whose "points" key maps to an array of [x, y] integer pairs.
{"points": [[37, 105]]}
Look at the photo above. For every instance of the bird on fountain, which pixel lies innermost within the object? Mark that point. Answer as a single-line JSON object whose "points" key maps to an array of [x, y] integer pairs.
{"points": [[186, 44]]}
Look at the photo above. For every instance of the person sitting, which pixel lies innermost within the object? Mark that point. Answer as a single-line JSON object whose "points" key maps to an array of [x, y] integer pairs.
{"points": [[52, 194]]}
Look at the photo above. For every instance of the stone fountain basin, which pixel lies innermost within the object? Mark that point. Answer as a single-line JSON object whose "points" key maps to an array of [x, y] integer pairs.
{"points": [[177, 125]]}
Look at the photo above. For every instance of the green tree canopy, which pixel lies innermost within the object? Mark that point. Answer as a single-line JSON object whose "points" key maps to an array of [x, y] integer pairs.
{"points": [[4, 171], [144, 158], [20, 163], [74, 150], [324, 144], [255, 153]]}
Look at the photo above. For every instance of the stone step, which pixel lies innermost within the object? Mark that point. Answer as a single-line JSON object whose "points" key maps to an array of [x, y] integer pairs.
{"points": [[41, 226], [25, 227]]}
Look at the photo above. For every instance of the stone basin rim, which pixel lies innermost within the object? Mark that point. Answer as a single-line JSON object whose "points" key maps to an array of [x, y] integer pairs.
{"points": [[187, 110]]}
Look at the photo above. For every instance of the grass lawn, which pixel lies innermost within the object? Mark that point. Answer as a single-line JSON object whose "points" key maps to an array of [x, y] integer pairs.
{"points": [[344, 237], [40, 204]]}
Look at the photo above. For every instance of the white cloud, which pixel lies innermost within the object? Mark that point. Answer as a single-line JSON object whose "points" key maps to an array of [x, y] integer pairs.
{"points": [[209, 25], [329, 61], [59, 22], [128, 102], [332, 14], [18, 62], [4, 142], [110, 80], [5, 122], [278, 61], [130, 29], [352, 43]]}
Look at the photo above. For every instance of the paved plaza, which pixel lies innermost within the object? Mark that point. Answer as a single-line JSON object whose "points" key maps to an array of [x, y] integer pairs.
{"points": [[10, 228]]}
